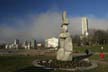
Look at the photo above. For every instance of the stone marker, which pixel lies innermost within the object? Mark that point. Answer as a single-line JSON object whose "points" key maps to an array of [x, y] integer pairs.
{"points": [[65, 49]]}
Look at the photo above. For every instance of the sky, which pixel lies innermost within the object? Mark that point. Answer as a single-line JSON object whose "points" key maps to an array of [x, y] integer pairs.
{"points": [[41, 19]]}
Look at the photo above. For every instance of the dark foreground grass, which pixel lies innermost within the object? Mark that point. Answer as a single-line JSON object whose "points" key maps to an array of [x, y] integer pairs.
{"points": [[15, 63], [100, 68], [12, 63]]}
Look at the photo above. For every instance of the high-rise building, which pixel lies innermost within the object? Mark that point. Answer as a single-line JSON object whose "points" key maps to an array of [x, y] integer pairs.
{"points": [[24, 45], [29, 45], [16, 41], [16, 44], [84, 26], [33, 43]]}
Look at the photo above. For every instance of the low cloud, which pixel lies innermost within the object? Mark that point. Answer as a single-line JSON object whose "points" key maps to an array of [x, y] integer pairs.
{"points": [[96, 23], [46, 25]]}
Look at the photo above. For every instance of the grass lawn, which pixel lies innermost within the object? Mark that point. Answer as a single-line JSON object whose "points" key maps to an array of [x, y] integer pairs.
{"points": [[96, 57], [92, 48], [100, 68], [13, 63]]}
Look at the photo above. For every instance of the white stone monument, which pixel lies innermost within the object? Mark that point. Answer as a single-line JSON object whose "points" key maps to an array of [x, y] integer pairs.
{"points": [[65, 49]]}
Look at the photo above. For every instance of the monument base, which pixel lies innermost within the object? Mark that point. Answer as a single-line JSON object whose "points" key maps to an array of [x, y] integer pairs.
{"points": [[78, 63], [63, 55], [65, 65]]}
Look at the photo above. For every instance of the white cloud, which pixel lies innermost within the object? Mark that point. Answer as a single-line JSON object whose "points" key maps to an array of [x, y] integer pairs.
{"points": [[46, 25], [96, 23]]}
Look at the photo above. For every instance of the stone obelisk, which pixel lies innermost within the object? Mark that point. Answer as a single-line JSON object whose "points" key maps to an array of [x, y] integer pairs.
{"points": [[65, 49]]}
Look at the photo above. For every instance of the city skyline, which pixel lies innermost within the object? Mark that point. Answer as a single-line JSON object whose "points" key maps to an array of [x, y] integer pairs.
{"points": [[40, 19]]}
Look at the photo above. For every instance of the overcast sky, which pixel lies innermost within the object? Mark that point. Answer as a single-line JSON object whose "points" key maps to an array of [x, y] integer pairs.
{"points": [[41, 19]]}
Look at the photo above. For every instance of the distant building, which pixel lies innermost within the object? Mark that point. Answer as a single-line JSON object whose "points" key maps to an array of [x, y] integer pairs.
{"points": [[29, 45], [51, 42], [16, 41], [39, 44], [34, 44], [84, 26], [10, 46], [6, 46], [13, 45], [26, 45]]}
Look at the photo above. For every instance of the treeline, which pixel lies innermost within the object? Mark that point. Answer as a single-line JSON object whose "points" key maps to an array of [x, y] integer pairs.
{"points": [[96, 37]]}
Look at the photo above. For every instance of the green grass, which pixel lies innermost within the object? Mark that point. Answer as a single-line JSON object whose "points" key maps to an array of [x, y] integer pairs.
{"points": [[13, 63], [100, 68], [96, 57], [92, 48]]}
